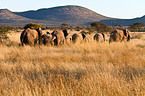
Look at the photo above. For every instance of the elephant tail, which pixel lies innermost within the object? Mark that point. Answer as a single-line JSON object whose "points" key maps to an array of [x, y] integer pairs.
{"points": [[23, 36]]}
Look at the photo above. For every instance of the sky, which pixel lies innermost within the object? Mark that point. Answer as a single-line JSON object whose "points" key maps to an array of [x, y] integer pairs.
{"points": [[123, 9]]}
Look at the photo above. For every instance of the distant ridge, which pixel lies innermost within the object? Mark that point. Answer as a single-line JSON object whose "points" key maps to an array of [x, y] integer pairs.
{"points": [[71, 14]]}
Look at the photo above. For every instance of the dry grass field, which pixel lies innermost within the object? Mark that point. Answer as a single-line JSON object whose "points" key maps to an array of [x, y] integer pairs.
{"points": [[86, 69]]}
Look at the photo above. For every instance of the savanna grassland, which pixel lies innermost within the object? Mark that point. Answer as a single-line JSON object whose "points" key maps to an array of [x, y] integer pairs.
{"points": [[86, 69]]}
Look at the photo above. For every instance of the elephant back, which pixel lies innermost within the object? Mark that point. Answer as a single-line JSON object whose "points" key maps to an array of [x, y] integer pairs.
{"points": [[32, 36]]}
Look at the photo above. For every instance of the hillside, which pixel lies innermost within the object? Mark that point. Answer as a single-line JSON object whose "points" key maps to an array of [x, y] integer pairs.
{"points": [[63, 13], [124, 22], [73, 15], [9, 18], [6, 14]]}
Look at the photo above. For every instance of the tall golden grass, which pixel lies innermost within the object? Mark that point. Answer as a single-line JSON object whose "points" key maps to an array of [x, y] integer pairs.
{"points": [[86, 69]]}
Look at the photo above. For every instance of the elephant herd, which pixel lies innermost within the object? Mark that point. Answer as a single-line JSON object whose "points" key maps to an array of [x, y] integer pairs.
{"points": [[58, 37]]}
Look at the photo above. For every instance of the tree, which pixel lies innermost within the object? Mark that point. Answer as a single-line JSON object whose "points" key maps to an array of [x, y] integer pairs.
{"points": [[138, 26], [78, 28], [64, 25], [32, 25], [100, 27], [90, 29]]}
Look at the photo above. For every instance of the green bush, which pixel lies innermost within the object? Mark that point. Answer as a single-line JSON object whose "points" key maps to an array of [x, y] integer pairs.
{"points": [[32, 25]]}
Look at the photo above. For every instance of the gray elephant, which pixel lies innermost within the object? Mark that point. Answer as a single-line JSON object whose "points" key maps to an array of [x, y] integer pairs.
{"points": [[99, 37], [31, 36], [119, 35], [47, 39], [59, 36]]}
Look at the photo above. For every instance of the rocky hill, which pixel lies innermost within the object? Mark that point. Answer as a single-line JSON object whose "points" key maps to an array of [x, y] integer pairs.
{"points": [[72, 15]]}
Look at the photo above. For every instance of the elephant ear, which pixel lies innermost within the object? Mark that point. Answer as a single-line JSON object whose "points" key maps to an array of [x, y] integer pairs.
{"points": [[65, 33], [83, 35]]}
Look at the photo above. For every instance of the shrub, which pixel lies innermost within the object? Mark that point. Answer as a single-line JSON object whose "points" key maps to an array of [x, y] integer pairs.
{"points": [[3, 33], [100, 27], [137, 36], [32, 25]]}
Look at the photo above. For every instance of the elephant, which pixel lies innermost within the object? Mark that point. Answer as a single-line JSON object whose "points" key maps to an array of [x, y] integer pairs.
{"points": [[47, 39], [86, 37], [59, 36], [119, 35], [31, 36], [99, 37], [77, 38]]}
